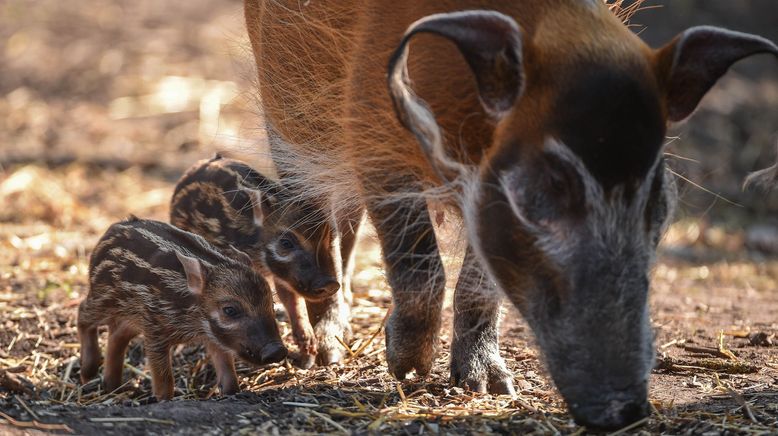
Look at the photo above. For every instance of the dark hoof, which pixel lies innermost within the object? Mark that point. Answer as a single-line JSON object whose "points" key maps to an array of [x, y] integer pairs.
{"points": [[409, 347], [481, 372]]}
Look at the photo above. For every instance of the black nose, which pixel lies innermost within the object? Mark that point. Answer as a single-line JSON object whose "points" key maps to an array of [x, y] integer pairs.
{"points": [[273, 352], [325, 287], [611, 416]]}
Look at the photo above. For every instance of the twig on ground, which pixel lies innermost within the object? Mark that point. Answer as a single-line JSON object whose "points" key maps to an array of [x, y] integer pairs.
{"points": [[630, 427], [27, 408], [134, 419], [716, 352], [744, 404], [35, 424], [329, 421]]}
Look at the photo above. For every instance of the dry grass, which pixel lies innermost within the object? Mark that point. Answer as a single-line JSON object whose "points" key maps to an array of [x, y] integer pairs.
{"points": [[710, 377]]}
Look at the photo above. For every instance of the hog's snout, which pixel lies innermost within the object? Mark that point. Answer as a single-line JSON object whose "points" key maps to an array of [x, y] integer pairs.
{"points": [[612, 414]]}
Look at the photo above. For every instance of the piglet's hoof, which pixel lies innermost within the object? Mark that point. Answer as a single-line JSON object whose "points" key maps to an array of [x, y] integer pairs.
{"points": [[409, 347], [303, 360], [229, 389]]}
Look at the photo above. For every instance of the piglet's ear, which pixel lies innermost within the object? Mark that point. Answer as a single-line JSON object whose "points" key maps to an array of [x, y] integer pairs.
{"points": [[195, 274], [490, 42], [240, 256], [694, 61], [261, 204]]}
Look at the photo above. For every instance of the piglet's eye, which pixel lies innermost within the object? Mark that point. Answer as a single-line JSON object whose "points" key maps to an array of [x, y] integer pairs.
{"points": [[286, 243], [231, 311]]}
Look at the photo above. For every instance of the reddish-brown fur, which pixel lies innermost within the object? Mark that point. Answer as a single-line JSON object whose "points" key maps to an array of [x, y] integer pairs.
{"points": [[540, 122], [356, 99]]}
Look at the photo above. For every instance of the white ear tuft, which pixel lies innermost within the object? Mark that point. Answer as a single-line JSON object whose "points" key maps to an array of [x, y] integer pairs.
{"points": [[256, 198]]}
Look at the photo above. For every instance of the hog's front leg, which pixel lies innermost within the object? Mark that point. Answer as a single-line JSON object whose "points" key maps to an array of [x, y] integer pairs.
{"points": [[159, 360], [224, 364], [303, 333], [415, 273], [476, 363]]}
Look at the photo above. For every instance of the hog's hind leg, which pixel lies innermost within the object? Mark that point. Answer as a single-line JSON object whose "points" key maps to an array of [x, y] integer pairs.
{"points": [[119, 336], [476, 363]]}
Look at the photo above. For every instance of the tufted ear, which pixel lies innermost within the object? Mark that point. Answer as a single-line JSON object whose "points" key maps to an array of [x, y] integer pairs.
{"points": [[262, 204], [695, 60], [490, 42], [240, 256], [195, 274]]}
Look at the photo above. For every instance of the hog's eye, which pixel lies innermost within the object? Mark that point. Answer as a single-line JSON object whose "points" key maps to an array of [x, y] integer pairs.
{"points": [[286, 243], [231, 312]]}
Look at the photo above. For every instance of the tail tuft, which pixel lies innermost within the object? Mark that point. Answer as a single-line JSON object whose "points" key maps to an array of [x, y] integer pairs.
{"points": [[765, 179]]}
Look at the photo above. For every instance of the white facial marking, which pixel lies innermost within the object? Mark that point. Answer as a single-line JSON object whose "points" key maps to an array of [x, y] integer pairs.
{"points": [[277, 256]]}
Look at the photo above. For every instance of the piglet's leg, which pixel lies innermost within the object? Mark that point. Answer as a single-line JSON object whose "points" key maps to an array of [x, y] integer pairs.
{"points": [[87, 335], [303, 333], [119, 336], [224, 364], [158, 356]]}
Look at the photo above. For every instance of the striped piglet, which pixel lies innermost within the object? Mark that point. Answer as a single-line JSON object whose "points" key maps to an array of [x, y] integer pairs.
{"points": [[233, 206], [173, 287]]}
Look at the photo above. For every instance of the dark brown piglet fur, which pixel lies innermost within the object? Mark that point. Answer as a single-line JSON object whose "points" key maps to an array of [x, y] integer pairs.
{"points": [[173, 287], [232, 205]]}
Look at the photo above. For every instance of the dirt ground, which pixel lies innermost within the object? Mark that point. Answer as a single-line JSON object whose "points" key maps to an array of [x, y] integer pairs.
{"points": [[104, 105]]}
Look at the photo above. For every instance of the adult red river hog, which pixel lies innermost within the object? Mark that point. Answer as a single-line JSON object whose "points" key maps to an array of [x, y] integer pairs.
{"points": [[541, 123]]}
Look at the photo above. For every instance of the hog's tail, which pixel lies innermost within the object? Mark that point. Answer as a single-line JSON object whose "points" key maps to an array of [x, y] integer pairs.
{"points": [[766, 179]]}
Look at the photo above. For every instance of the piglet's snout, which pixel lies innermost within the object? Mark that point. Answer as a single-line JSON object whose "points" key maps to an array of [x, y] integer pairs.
{"points": [[270, 353], [273, 352], [324, 287], [264, 344]]}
